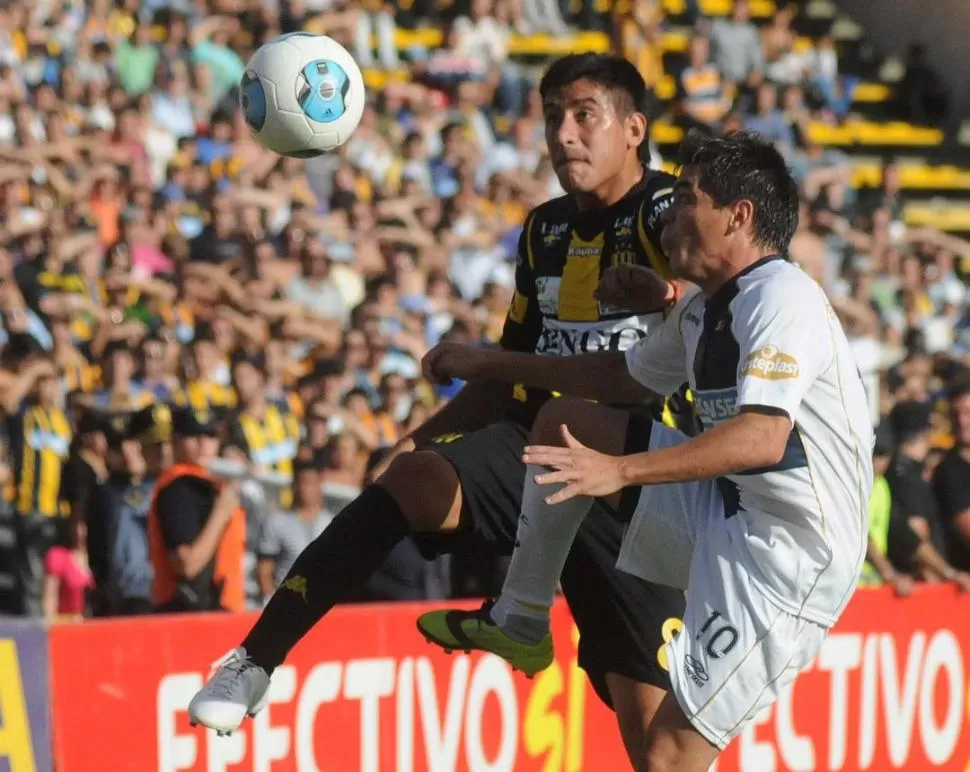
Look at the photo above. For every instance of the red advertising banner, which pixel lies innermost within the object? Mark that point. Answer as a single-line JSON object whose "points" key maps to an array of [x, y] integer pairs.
{"points": [[889, 690], [364, 692]]}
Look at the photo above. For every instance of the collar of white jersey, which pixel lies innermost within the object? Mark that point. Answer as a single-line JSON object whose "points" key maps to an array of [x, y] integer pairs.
{"points": [[726, 292]]}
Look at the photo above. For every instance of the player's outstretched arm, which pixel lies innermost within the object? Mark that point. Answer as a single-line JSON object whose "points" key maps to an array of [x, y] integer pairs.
{"points": [[603, 376], [747, 441]]}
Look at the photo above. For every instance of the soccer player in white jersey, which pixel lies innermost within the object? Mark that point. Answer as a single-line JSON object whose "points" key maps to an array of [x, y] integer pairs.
{"points": [[762, 518]]}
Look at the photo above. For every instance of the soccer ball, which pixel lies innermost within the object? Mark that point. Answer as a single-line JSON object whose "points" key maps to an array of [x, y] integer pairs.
{"points": [[302, 95]]}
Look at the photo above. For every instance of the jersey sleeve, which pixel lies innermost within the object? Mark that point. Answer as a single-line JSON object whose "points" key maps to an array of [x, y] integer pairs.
{"points": [[650, 223], [784, 343], [523, 324], [659, 361]]}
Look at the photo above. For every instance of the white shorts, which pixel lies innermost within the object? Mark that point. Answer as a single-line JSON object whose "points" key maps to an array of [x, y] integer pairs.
{"points": [[737, 652]]}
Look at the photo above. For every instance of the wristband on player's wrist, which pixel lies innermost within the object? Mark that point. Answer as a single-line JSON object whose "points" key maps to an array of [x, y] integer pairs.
{"points": [[673, 295]]}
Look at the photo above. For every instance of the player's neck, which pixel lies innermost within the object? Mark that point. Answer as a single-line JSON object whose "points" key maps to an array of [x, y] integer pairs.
{"points": [[722, 268], [611, 191]]}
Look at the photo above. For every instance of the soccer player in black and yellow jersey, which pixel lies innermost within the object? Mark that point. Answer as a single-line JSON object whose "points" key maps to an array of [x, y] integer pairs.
{"points": [[457, 481]]}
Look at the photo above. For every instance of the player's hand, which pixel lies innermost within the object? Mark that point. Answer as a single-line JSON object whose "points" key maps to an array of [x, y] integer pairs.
{"points": [[903, 585], [402, 446], [452, 360], [585, 472], [634, 288]]}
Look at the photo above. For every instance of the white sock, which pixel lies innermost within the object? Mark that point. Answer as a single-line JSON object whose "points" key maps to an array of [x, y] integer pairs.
{"points": [[544, 537]]}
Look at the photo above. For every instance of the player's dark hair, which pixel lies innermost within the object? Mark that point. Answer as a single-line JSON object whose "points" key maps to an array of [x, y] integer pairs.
{"points": [[612, 72], [742, 166], [616, 74]]}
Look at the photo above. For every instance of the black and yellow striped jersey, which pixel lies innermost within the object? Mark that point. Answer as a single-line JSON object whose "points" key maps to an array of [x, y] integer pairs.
{"points": [[40, 439], [562, 254], [206, 395], [270, 442], [80, 375]]}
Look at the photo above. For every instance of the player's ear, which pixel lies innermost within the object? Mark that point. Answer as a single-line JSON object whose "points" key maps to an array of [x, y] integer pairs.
{"points": [[636, 129], [742, 215]]}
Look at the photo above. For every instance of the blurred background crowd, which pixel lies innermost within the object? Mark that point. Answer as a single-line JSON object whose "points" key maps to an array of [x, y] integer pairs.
{"points": [[155, 262]]}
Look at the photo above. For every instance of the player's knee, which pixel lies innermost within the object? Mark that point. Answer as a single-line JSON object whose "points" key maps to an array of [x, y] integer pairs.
{"points": [[659, 756], [597, 426], [426, 489], [662, 751], [546, 430]]}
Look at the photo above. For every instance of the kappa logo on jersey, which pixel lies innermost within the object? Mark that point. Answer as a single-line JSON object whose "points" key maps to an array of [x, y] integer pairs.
{"points": [[552, 233], [771, 364], [579, 248]]}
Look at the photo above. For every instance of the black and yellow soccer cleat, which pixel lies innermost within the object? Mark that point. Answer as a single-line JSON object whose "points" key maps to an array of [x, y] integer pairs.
{"points": [[474, 630]]}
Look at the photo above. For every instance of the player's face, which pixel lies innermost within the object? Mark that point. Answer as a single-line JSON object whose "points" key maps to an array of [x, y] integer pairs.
{"points": [[589, 140], [694, 229]]}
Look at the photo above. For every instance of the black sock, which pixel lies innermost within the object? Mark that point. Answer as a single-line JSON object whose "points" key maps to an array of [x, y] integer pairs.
{"points": [[336, 563]]}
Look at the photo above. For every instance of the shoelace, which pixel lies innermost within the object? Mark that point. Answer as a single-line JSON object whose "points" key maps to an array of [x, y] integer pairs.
{"points": [[230, 669]]}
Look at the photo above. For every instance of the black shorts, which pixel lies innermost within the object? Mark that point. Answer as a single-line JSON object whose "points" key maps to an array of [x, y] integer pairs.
{"points": [[621, 618]]}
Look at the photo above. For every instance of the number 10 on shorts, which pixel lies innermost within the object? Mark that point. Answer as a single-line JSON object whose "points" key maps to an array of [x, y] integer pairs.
{"points": [[720, 636]]}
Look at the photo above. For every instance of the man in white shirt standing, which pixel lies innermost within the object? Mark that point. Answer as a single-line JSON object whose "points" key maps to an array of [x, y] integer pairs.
{"points": [[763, 517]]}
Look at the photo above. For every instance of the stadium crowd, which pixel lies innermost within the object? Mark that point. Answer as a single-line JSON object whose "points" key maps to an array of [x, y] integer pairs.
{"points": [[163, 277]]}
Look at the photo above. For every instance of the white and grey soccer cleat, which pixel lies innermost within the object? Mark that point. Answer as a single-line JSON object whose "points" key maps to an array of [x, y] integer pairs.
{"points": [[239, 688]]}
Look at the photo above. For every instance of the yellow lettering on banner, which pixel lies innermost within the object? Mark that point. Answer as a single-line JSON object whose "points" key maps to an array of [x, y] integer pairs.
{"points": [[543, 731], [576, 712], [15, 744]]}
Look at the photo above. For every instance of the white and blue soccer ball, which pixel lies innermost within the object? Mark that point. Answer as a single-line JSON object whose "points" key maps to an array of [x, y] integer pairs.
{"points": [[302, 95]]}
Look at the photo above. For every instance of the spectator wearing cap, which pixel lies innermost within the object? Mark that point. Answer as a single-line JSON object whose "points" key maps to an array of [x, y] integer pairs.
{"points": [[196, 527], [914, 512], [87, 467], [260, 434], [40, 436], [878, 569], [285, 533], [951, 481], [123, 503]]}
